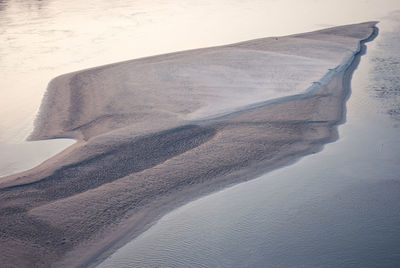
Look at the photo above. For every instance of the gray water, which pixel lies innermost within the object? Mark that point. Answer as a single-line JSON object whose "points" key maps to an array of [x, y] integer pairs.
{"points": [[337, 208]]}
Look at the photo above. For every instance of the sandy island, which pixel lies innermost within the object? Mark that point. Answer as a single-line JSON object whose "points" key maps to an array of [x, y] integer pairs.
{"points": [[156, 132]]}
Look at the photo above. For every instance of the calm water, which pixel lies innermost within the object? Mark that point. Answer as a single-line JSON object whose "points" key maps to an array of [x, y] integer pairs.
{"points": [[40, 39], [338, 208]]}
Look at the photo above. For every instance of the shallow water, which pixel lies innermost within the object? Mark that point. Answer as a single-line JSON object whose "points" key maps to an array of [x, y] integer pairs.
{"points": [[40, 39], [337, 208]]}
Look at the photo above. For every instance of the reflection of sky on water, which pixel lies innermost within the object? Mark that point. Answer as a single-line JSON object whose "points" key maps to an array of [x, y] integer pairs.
{"points": [[386, 70]]}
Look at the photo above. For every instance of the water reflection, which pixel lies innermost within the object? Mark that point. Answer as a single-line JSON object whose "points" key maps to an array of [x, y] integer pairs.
{"points": [[27, 5], [3, 4], [386, 69]]}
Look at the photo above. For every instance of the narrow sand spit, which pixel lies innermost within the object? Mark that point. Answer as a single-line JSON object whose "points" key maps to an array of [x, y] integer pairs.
{"points": [[156, 132]]}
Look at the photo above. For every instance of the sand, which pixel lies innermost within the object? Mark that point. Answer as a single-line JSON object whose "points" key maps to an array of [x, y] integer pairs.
{"points": [[157, 132]]}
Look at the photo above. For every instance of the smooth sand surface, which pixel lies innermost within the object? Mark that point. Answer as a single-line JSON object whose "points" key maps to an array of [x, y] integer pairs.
{"points": [[157, 132]]}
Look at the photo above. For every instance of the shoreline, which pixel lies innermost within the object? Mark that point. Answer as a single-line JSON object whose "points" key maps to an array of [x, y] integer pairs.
{"points": [[136, 230], [26, 155], [307, 134]]}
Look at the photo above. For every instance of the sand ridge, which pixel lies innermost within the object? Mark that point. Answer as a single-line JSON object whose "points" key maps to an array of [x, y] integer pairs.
{"points": [[145, 145]]}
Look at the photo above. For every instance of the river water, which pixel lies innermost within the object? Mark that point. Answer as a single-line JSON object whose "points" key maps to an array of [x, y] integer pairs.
{"points": [[338, 208]]}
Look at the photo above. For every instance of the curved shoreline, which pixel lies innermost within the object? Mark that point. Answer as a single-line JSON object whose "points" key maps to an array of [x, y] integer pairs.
{"points": [[247, 143], [137, 229]]}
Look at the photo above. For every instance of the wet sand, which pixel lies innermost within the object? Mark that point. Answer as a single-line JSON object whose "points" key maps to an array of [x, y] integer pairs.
{"points": [[144, 148]]}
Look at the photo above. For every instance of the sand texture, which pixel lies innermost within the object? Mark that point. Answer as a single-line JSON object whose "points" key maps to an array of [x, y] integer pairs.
{"points": [[156, 132]]}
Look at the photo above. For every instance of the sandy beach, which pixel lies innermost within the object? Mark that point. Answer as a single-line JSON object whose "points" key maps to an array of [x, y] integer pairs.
{"points": [[157, 132]]}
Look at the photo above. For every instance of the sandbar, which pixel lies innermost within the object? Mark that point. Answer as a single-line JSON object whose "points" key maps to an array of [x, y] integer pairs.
{"points": [[157, 132]]}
